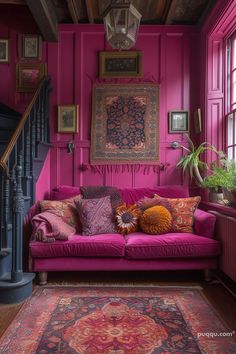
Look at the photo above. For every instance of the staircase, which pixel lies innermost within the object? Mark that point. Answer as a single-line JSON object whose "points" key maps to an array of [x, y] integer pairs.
{"points": [[24, 143]]}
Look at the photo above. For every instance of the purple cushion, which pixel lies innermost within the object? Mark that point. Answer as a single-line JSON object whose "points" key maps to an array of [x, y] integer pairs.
{"points": [[96, 216], [104, 245], [132, 195], [64, 192], [172, 245]]}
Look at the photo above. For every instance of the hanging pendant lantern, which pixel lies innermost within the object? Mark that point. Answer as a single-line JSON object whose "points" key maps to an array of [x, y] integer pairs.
{"points": [[121, 20]]}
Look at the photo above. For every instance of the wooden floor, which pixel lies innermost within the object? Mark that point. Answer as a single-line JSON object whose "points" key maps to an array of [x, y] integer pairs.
{"points": [[221, 299]]}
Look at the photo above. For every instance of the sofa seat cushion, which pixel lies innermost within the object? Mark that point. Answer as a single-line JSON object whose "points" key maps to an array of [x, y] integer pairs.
{"points": [[170, 245], [103, 245]]}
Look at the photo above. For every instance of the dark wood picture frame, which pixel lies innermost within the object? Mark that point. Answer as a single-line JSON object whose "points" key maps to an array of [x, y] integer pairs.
{"points": [[4, 50], [120, 64], [67, 121], [178, 122], [31, 46], [28, 76]]}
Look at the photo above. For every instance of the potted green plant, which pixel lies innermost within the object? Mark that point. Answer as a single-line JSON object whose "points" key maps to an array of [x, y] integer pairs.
{"points": [[192, 160]]}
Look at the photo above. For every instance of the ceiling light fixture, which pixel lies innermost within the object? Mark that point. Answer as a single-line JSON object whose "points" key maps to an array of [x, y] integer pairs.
{"points": [[121, 20]]}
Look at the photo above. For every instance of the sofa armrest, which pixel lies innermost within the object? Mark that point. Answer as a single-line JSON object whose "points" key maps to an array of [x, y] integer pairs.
{"points": [[204, 223]]}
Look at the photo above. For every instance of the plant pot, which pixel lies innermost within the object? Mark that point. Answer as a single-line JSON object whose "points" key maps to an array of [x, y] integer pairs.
{"points": [[215, 197], [233, 192], [228, 195]]}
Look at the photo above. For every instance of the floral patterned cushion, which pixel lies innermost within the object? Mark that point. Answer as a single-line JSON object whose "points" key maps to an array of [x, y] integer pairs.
{"points": [[96, 216], [182, 212], [156, 220], [66, 209], [127, 219]]}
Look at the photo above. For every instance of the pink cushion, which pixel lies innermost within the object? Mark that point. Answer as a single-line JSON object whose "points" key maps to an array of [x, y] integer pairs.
{"points": [[132, 195], [172, 245], [103, 245], [64, 192]]}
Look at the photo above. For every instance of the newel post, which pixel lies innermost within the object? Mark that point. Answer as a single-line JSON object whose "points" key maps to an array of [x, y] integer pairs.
{"points": [[17, 236]]}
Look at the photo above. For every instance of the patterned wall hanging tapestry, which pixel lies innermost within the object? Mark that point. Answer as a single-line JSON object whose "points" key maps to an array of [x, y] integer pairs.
{"points": [[125, 124]]}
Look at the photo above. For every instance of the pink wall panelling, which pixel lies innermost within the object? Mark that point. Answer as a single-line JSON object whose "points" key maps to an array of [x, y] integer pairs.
{"points": [[214, 33], [43, 182], [73, 66]]}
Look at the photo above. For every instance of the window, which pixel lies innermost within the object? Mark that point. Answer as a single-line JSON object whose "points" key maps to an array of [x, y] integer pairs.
{"points": [[231, 98]]}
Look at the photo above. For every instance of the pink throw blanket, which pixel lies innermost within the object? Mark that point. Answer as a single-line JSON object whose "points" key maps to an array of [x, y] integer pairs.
{"points": [[48, 227]]}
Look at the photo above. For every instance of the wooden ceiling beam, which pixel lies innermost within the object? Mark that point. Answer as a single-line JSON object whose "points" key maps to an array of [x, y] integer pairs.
{"points": [[12, 2], [74, 10], [90, 12], [44, 14]]}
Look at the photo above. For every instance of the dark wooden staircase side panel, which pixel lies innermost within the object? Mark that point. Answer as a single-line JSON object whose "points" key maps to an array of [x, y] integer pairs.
{"points": [[24, 144]]}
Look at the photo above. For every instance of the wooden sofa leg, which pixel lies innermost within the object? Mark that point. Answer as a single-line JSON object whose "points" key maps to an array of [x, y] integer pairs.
{"points": [[43, 278], [207, 275]]}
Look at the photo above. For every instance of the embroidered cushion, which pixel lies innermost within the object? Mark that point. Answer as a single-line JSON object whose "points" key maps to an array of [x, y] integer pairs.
{"points": [[182, 212], [127, 219], [96, 216], [66, 209], [156, 220]]}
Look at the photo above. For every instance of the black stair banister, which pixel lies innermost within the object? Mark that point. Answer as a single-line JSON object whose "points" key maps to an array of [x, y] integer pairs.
{"points": [[21, 162]]}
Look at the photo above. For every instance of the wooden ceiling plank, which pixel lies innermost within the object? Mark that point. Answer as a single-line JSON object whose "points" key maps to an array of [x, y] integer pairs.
{"points": [[44, 14], [73, 10], [90, 10], [12, 2], [169, 13]]}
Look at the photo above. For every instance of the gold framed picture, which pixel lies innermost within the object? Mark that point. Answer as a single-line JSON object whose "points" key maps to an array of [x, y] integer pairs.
{"points": [[198, 121], [67, 119], [31, 46], [120, 64], [4, 50], [28, 76]]}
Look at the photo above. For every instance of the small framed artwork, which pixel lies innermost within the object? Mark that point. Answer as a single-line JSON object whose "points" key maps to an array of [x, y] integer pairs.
{"points": [[178, 122], [197, 121], [31, 46], [29, 75], [120, 64], [67, 119], [4, 50]]}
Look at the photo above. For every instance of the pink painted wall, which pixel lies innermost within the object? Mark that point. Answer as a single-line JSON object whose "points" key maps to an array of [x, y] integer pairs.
{"points": [[15, 21], [43, 182], [170, 57]]}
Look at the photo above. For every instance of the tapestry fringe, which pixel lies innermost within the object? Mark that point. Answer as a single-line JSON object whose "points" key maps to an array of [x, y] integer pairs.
{"points": [[121, 168]]}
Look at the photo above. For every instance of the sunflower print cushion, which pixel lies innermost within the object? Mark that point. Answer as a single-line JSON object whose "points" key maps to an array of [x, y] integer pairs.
{"points": [[127, 219]]}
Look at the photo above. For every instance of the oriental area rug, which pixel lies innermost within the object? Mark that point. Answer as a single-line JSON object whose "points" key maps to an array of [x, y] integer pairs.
{"points": [[109, 320]]}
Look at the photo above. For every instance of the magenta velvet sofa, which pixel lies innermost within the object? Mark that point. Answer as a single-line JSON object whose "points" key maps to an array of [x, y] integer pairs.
{"points": [[134, 252]]}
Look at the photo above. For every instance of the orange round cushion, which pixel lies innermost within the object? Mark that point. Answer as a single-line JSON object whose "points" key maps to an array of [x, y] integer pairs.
{"points": [[156, 220]]}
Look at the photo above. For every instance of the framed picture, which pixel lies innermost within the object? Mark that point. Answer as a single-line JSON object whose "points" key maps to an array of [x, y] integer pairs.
{"points": [[31, 46], [197, 121], [4, 50], [178, 122], [67, 119], [120, 64], [28, 76]]}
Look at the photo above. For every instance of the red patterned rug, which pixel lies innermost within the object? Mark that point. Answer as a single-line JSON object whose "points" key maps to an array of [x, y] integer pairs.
{"points": [[97, 320]]}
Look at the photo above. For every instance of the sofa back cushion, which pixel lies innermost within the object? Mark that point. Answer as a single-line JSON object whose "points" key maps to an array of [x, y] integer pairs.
{"points": [[132, 195], [64, 192]]}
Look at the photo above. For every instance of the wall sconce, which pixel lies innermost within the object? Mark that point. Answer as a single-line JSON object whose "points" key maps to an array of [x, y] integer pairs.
{"points": [[70, 147], [175, 145], [121, 20]]}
